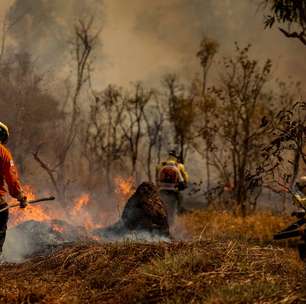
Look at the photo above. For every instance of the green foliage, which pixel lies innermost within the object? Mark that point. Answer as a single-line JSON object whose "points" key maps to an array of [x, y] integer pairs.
{"points": [[240, 102], [288, 137], [288, 13], [181, 105]]}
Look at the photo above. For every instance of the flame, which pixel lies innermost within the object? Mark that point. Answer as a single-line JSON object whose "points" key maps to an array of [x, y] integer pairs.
{"points": [[31, 212], [58, 228], [124, 188], [81, 213], [80, 203]]}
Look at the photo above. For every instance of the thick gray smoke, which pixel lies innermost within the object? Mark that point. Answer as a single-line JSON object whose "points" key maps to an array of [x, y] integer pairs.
{"points": [[32, 238], [45, 28], [144, 39]]}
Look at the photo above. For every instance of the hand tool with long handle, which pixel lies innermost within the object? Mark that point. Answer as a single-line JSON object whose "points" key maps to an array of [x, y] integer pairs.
{"points": [[51, 198]]}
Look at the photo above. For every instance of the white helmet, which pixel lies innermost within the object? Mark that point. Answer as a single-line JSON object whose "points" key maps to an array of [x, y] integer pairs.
{"points": [[4, 133]]}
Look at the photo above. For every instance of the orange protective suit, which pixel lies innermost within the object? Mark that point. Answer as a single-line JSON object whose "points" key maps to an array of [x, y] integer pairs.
{"points": [[9, 175]]}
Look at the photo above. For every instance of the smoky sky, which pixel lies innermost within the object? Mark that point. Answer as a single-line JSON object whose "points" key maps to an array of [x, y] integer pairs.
{"points": [[144, 39], [45, 28]]}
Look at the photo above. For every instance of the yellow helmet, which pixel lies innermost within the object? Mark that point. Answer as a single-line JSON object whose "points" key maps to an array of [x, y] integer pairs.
{"points": [[302, 180], [4, 133]]}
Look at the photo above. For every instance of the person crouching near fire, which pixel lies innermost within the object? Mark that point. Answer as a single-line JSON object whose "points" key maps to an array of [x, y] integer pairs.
{"points": [[8, 176], [171, 179]]}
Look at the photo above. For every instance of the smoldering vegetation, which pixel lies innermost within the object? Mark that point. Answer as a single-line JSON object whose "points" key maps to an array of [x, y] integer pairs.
{"points": [[143, 219], [228, 262]]}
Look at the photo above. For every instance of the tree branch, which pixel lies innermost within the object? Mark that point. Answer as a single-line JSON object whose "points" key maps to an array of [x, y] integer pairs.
{"points": [[301, 36]]}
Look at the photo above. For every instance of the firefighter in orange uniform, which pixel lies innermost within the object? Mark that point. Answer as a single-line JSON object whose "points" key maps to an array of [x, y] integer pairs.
{"points": [[8, 176], [171, 179]]}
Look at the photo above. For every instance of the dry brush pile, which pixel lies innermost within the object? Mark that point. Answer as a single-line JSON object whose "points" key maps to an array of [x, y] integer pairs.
{"points": [[226, 267]]}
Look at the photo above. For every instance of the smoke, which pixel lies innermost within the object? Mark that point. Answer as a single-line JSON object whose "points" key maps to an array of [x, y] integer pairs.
{"points": [[32, 238], [25, 239], [143, 39], [45, 28], [16, 246], [41, 230]]}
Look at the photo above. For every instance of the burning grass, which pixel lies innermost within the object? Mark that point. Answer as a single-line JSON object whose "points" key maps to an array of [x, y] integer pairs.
{"points": [[226, 260], [80, 213]]}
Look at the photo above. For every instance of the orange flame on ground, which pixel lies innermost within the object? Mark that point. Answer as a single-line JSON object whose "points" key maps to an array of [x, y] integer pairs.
{"points": [[79, 214], [124, 189], [58, 228], [31, 212], [81, 203]]}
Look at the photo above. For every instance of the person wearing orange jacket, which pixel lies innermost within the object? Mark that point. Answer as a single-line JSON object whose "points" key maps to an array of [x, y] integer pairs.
{"points": [[8, 176]]}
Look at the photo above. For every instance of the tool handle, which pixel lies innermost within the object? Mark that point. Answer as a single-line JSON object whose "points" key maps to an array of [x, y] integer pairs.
{"points": [[51, 198]]}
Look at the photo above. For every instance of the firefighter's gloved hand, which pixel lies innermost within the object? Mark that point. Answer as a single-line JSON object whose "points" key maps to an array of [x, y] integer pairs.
{"points": [[182, 186], [23, 202]]}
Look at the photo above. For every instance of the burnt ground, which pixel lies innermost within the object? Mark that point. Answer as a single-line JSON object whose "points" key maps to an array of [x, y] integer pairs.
{"points": [[224, 259]]}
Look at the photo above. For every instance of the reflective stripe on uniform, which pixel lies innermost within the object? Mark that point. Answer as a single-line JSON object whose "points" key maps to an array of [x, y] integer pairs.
{"points": [[167, 186]]}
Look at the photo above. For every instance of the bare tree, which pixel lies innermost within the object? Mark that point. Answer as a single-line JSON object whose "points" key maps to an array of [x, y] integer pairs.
{"points": [[32, 108], [104, 141], [154, 120], [84, 42], [208, 50], [132, 124]]}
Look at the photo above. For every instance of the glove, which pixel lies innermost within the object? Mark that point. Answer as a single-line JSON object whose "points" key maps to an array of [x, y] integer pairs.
{"points": [[23, 201], [182, 186]]}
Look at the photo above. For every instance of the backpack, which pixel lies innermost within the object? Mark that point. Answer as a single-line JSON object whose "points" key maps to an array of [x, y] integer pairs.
{"points": [[169, 176]]}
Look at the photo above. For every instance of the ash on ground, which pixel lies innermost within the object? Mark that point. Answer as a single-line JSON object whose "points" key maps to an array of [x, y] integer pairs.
{"points": [[39, 238]]}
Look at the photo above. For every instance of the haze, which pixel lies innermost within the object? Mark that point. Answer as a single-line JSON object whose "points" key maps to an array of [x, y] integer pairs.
{"points": [[143, 39]]}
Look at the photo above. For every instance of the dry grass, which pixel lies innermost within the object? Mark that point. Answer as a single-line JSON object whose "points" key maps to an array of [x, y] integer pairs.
{"points": [[258, 227], [225, 262]]}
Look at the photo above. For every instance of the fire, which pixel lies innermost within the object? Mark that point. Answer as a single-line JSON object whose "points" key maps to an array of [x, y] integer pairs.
{"points": [[124, 189], [58, 228], [29, 192], [81, 203], [81, 213], [31, 212], [78, 214]]}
